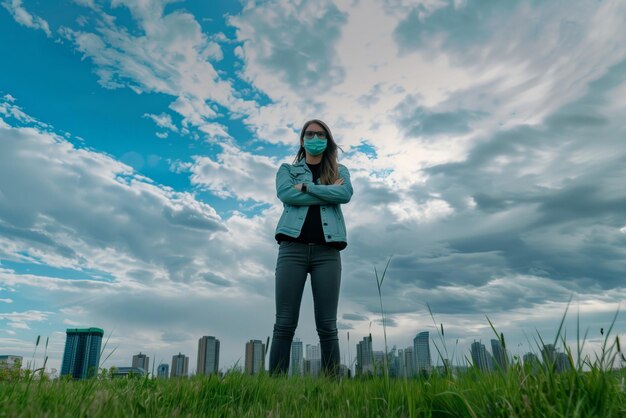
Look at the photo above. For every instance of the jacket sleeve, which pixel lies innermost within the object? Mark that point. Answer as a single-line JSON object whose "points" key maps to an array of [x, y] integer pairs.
{"points": [[333, 193], [287, 194]]}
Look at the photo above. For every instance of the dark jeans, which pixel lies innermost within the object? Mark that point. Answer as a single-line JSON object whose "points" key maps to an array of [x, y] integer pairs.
{"points": [[295, 260]]}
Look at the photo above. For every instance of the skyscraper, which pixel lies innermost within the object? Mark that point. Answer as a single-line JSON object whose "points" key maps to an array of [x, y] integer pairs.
{"points": [[421, 348], [364, 360], [409, 361], [313, 364], [531, 361], [548, 354], [297, 358], [499, 355], [255, 356], [401, 364], [141, 361], [81, 358], [163, 371], [562, 362], [208, 355], [180, 365], [379, 362], [479, 356]]}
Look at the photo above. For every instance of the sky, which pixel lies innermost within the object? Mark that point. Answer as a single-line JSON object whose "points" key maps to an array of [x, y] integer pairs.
{"points": [[139, 143]]}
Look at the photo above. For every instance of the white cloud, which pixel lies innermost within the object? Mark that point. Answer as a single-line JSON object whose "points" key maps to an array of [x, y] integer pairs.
{"points": [[431, 210], [20, 320], [23, 17], [6, 300], [162, 121], [171, 56], [237, 173], [104, 217], [87, 3]]}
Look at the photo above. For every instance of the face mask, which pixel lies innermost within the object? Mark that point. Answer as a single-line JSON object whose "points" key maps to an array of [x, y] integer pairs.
{"points": [[315, 146]]}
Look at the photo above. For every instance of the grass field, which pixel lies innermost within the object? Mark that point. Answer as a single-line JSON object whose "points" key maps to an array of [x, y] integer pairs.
{"points": [[519, 392]]}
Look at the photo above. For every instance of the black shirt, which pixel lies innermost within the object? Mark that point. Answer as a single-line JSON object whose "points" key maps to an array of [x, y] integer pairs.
{"points": [[312, 228]]}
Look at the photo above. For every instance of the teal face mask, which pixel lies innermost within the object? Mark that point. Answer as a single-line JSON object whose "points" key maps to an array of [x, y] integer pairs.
{"points": [[315, 146]]}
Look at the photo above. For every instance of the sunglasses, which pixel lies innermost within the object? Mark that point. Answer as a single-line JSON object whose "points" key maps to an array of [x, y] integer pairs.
{"points": [[311, 134]]}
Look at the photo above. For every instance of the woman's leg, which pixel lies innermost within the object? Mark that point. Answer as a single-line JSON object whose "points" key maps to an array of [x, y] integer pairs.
{"points": [[325, 283], [291, 272]]}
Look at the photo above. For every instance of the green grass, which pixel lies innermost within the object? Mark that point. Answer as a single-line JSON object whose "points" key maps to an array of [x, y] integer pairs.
{"points": [[593, 387], [519, 392]]}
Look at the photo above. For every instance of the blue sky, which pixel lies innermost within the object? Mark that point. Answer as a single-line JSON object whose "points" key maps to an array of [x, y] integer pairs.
{"points": [[139, 142]]}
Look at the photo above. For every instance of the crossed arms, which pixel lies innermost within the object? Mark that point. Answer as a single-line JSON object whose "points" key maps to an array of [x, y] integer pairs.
{"points": [[317, 194]]}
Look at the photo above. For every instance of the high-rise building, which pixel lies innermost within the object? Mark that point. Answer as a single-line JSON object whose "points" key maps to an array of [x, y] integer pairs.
{"points": [[255, 356], [141, 361], [421, 349], [296, 362], [401, 364], [562, 362], [364, 360], [180, 365], [313, 352], [530, 358], [313, 363], [479, 356], [379, 362], [208, 355], [499, 355], [163, 371], [554, 358], [81, 358], [531, 361], [548, 354], [409, 361], [394, 363]]}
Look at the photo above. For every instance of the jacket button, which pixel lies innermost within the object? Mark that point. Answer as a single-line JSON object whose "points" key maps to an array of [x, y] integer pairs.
{"points": [[325, 224], [328, 236]]}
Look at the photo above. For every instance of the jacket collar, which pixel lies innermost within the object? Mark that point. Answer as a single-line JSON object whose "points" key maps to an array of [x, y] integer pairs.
{"points": [[301, 162]]}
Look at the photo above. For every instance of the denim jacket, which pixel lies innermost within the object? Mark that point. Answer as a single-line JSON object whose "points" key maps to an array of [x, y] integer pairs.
{"points": [[296, 203]]}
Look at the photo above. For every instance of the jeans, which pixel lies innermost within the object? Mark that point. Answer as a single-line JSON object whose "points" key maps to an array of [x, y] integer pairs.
{"points": [[295, 260]]}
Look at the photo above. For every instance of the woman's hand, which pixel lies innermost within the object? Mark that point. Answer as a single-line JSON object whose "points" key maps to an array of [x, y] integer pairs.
{"points": [[339, 181]]}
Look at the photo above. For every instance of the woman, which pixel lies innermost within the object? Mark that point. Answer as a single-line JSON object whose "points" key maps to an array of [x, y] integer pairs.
{"points": [[310, 232]]}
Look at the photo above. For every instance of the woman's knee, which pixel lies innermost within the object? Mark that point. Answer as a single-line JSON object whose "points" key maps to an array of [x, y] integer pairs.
{"points": [[284, 330]]}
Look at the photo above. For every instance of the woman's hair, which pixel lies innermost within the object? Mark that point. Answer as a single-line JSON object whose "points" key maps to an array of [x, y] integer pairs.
{"points": [[330, 166]]}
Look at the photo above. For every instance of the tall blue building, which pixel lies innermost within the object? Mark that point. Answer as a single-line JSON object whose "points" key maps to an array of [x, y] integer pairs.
{"points": [[364, 357], [81, 358], [208, 355], [499, 355], [421, 350], [296, 367], [479, 356]]}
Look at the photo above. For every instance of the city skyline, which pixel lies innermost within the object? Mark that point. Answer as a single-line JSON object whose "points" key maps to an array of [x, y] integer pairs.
{"points": [[402, 362], [139, 143]]}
